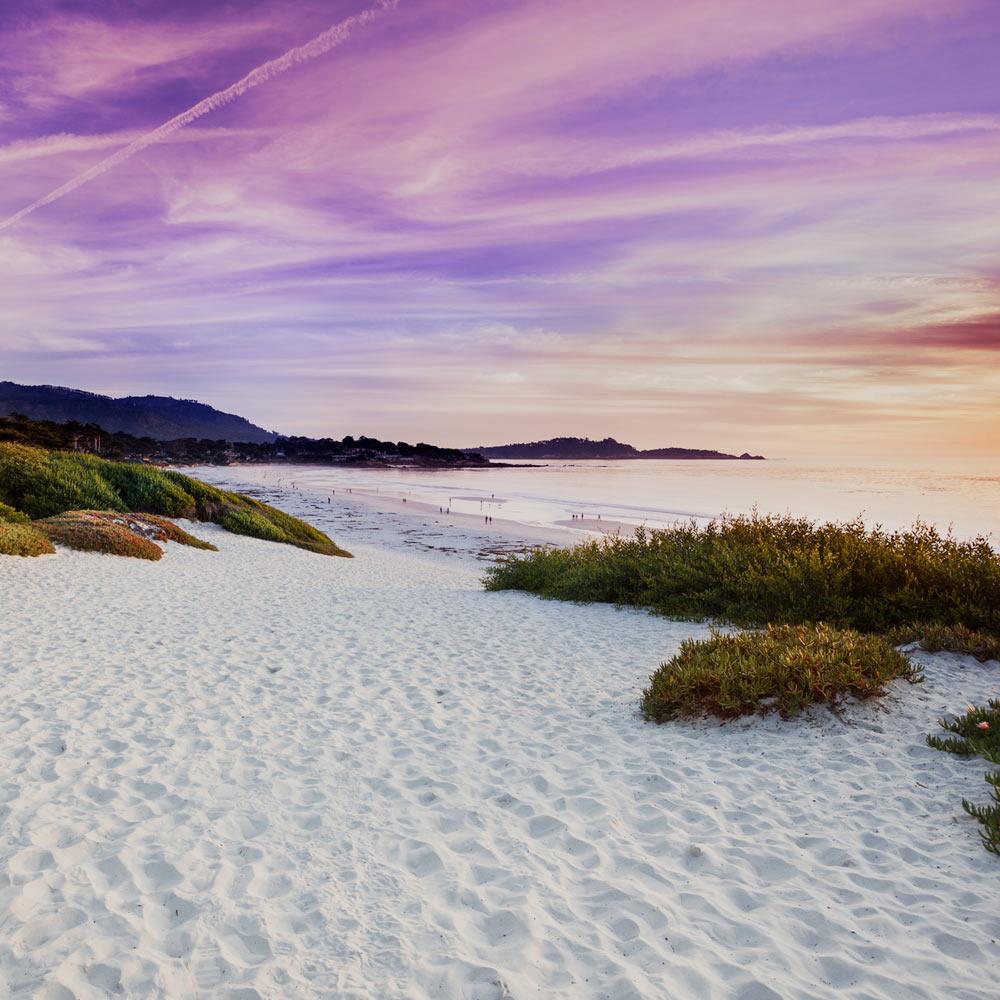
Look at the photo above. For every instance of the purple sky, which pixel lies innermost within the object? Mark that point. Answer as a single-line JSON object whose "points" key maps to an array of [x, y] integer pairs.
{"points": [[769, 225]]}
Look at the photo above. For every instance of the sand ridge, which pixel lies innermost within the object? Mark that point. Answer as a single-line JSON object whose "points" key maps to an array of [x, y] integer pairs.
{"points": [[264, 773]]}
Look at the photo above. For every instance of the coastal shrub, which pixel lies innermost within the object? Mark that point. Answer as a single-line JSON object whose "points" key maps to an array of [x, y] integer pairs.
{"points": [[948, 639], [116, 533], [756, 570], [42, 484], [297, 532], [203, 496], [784, 669], [100, 531], [163, 530], [243, 515], [23, 540], [977, 732], [241, 521], [146, 488], [10, 516]]}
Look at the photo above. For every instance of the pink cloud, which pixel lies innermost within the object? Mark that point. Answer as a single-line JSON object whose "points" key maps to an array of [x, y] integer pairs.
{"points": [[490, 209], [69, 57]]}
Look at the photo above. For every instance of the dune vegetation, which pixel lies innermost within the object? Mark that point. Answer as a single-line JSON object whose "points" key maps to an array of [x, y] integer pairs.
{"points": [[118, 534], [948, 639], [783, 669], [23, 540], [977, 733], [760, 570], [10, 516], [69, 497], [828, 605]]}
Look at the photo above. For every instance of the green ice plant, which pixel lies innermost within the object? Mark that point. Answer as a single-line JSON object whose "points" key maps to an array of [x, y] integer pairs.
{"points": [[977, 733], [36, 484]]}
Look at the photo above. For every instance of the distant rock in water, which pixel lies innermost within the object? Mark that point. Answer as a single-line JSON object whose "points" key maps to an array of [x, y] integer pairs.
{"points": [[695, 453], [584, 448], [162, 418]]}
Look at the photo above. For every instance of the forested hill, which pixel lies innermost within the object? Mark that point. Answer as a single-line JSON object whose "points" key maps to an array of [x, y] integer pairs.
{"points": [[162, 418], [91, 438]]}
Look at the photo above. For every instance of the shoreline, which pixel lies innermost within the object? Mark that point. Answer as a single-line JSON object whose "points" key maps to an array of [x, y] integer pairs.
{"points": [[384, 519], [264, 771]]}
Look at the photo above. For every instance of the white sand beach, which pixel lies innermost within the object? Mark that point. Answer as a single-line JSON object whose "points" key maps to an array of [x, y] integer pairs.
{"points": [[265, 773]]}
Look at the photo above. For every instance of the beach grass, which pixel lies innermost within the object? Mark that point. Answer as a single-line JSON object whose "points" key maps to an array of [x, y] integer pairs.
{"points": [[757, 570], [36, 484], [783, 669], [977, 733]]}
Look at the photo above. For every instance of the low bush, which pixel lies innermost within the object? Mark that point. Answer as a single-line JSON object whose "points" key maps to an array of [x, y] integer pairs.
{"points": [[243, 515], [41, 484], [146, 488], [162, 530], [784, 669], [752, 571], [241, 521], [96, 531], [116, 534], [977, 732], [10, 516], [23, 540], [948, 639]]}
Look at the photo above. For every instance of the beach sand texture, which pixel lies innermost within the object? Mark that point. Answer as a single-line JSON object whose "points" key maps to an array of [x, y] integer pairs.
{"points": [[260, 772]]}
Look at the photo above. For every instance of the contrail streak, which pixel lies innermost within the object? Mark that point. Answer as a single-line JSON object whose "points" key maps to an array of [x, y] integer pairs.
{"points": [[318, 46]]}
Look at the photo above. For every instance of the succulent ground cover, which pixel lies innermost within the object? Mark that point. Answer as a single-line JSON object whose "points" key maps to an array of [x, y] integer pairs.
{"points": [[784, 669], [63, 496], [977, 733], [116, 533]]}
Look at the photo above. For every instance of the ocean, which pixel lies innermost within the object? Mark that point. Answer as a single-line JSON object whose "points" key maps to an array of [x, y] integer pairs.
{"points": [[962, 498]]}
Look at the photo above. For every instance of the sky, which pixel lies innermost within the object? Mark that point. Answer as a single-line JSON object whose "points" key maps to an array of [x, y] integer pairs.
{"points": [[761, 225]]}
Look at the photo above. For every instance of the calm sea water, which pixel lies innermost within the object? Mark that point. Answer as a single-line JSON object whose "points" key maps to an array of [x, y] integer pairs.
{"points": [[662, 492]]}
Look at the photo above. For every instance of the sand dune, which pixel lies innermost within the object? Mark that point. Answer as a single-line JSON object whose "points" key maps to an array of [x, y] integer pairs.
{"points": [[265, 773]]}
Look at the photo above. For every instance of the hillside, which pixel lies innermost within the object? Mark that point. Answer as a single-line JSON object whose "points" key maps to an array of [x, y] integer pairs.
{"points": [[93, 439], [564, 448], [160, 417]]}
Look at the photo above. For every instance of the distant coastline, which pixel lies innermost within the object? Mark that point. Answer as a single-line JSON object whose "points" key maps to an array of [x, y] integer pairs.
{"points": [[573, 448], [168, 431], [363, 451]]}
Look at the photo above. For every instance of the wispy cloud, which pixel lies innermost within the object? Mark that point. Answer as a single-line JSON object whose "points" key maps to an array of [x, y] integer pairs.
{"points": [[734, 219], [320, 45]]}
